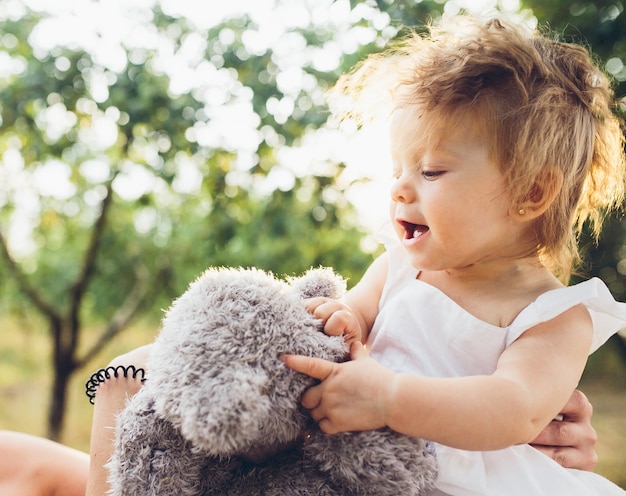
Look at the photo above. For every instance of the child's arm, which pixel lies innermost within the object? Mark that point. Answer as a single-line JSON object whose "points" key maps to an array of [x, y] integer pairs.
{"points": [[534, 378], [353, 316]]}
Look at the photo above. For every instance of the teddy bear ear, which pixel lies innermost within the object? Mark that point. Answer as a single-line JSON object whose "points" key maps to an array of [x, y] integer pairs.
{"points": [[225, 419], [320, 281], [217, 350]]}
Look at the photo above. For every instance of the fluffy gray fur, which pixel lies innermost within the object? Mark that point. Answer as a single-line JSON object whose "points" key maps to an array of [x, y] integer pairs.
{"points": [[218, 396]]}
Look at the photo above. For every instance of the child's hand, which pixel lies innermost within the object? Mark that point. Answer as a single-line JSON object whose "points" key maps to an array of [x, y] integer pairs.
{"points": [[337, 318], [353, 396]]}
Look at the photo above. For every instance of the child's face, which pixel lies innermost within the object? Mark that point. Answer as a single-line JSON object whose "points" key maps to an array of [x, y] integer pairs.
{"points": [[449, 203]]}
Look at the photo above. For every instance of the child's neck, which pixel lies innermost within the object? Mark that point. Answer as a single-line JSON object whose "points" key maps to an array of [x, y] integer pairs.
{"points": [[497, 291]]}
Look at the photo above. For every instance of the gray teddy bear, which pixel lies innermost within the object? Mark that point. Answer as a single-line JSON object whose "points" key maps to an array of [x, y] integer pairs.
{"points": [[220, 414]]}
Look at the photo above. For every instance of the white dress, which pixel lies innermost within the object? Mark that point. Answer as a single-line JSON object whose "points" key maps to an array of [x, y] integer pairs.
{"points": [[447, 341]]}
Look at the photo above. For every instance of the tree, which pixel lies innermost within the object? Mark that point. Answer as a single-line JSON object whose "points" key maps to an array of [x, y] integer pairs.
{"points": [[48, 112]]}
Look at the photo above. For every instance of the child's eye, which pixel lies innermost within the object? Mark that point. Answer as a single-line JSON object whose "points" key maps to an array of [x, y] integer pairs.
{"points": [[431, 174]]}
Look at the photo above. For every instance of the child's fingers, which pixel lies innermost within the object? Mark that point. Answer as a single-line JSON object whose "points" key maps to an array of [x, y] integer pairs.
{"points": [[338, 323], [322, 308], [337, 319], [313, 367], [311, 400], [357, 351], [312, 304]]}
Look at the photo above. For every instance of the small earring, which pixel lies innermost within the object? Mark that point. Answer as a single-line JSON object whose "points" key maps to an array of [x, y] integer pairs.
{"points": [[521, 211]]}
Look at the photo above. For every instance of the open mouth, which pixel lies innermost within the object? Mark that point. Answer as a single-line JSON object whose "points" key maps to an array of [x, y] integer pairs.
{"points": [[412, 231]]}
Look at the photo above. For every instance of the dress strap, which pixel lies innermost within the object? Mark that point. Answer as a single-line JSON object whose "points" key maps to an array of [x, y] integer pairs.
{"points": [[608, 316]]}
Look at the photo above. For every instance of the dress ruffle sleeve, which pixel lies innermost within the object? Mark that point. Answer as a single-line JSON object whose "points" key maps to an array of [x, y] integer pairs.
{"points": [[607, 314]]}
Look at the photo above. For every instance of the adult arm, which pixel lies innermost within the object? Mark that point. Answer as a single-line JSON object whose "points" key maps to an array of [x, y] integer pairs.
{"points": [[34, 466]]}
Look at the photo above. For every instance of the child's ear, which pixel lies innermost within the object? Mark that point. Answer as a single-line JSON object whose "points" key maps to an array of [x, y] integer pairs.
{"points": [[541, 195]]}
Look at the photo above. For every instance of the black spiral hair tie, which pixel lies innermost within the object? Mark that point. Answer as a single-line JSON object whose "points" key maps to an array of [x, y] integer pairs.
{"points": [[101, 375]]}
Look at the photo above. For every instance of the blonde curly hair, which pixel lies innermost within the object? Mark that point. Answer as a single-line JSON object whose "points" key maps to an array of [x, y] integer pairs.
{"points": [[544, 105]]}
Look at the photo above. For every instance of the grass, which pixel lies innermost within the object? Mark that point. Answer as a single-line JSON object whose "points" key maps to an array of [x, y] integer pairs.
{"points": [[25, 379]]}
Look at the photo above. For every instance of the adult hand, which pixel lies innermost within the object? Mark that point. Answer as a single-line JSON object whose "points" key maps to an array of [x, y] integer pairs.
{"points": [[571, 441]]}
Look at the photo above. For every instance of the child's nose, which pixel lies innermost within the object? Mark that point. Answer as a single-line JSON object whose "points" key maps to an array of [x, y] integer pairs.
{"points": [[402, 190]]}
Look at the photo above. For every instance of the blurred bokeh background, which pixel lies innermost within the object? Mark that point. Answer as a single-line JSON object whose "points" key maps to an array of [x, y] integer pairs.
{"points": [[142, 141]]}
